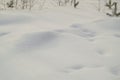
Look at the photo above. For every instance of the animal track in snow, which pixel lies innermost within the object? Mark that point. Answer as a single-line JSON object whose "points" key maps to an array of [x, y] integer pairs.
{"points": [[115, 70], [80, 31], [117, 35], [100, 51], [77, 29], [3, 34], [73, 68]]}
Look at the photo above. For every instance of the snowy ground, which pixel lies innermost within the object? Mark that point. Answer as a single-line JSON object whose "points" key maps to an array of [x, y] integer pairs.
{"points": [[59, 44]]}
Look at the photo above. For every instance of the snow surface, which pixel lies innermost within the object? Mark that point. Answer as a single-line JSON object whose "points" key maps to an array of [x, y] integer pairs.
{"points": [[59, 44]]}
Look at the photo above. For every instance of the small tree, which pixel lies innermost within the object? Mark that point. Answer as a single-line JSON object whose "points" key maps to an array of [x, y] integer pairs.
{"points": [[99, 5], [109, 4], [16, 4], [66, 1], [114, 9], [75, 3], [31, 4], [42, 3], [24, 4], [10, 4], [114, 12]]}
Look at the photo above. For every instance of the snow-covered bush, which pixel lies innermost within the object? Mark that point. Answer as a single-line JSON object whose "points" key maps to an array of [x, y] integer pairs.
{"points": [[113, 6]]}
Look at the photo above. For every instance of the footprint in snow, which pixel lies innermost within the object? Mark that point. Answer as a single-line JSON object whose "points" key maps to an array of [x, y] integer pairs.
{"points": [[82, 32], [76, 26], [80, 67], [60, 30], [3, 34], [117, 35], [73, 68], [100, 51], [115, 70]]}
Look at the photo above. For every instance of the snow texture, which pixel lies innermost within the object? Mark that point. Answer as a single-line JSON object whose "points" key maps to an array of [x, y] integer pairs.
{"points": [[59, 44]]}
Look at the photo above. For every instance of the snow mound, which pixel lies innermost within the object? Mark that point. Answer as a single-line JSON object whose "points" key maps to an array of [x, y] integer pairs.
{"points": [[35, 40], [115, 70], [82, 31], [13, 19], [112, 24], [3, 34], [54, 47]]}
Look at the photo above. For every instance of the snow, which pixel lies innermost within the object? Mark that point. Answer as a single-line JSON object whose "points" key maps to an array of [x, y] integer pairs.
{"points": [[59, 44]]}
